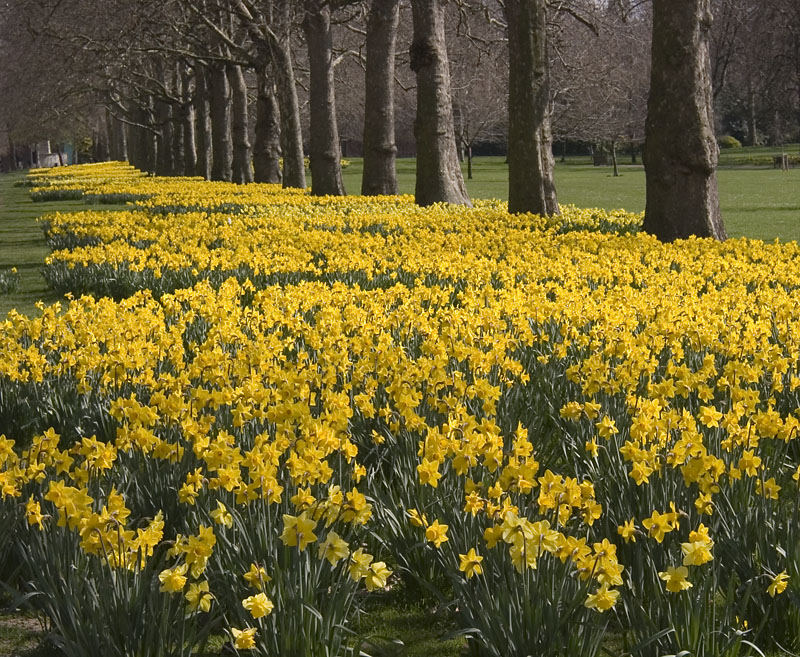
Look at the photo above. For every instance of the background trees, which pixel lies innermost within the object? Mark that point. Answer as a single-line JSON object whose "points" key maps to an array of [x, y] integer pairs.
{"points": [[205, 87]]}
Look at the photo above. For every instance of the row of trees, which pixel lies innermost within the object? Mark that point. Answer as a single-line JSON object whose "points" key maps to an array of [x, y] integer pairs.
{"points": [[181, 86]]}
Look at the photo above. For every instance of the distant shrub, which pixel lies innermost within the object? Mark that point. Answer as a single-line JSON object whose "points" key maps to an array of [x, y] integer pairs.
{"points": [[729, 141]]}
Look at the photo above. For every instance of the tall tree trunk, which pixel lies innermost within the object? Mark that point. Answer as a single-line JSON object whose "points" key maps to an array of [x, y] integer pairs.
{"points": [[439, 176], [458, 130], [119, 139], [202, 108], [242, 151], [680, 153], [143, 139], [380, 150], [294, 170], [164, 162], [531, 186], [102, 146], [752, 133], [188, 118], [324, 147], [267, 149], [614, 163], [222, 144], [177, 122]]}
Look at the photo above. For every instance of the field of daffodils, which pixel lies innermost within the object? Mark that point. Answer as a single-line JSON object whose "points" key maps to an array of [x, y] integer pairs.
{"points": [[256, 408]]}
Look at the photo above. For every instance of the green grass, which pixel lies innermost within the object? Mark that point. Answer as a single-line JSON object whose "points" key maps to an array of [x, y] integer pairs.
{"points": [[22, 243], [756, 203], [392, 624]]}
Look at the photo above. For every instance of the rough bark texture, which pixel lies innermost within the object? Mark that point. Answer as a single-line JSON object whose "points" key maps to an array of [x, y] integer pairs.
{"points": [[267, 149], [242, 150], [164, 161], [680, 154], [177, 123], [324, 149], [531, 187], [439, 176], [188, 118], [119, 140], [222, 144], [142, 140], [294, 170], [380, 150], [202, 108]]}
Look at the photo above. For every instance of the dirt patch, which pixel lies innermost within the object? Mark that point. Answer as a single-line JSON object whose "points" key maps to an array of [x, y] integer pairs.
{"points": [[20, 635]]}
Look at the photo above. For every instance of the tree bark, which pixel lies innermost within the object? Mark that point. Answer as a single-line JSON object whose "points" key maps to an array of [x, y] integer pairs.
{"points": [[142, 139], [103, 143], [164, 161], [752, 133], [438, 176], [324, 147], [531, 186], [380, 149], [614, 163], [222, 145], [681, 153], [118, 144], [188, 118], [294, 170], [178, 163], [267, 150], [203, 122], [242, 150]]}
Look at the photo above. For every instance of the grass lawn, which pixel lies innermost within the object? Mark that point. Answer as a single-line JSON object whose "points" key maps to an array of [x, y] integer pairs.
{"points": [[756, 203]]}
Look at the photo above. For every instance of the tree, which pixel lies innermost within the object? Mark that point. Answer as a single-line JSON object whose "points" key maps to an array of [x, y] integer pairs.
{"points": [[531, 187], [680, 148], [325, 150], [479, 78], [267, 150], [380, 150], [242, 151], [438, 177]]}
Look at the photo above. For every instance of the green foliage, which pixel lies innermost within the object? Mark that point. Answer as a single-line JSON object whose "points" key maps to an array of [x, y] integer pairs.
{"points": [[728, 141]]}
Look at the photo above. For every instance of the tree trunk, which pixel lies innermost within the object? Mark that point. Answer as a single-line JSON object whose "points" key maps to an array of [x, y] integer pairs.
{"points": [[267, 151], [614, 163], [164, 161], [178, 164], [242, 151], [380, 150], [458, 129], [222, 145], [680, 153], [469, 161], [202, 107], [143, 140], [294, 169], [119, 139], [324, 147], [531, 186], [102, 146], [439, 177], [752, 134], [188, 117]]}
